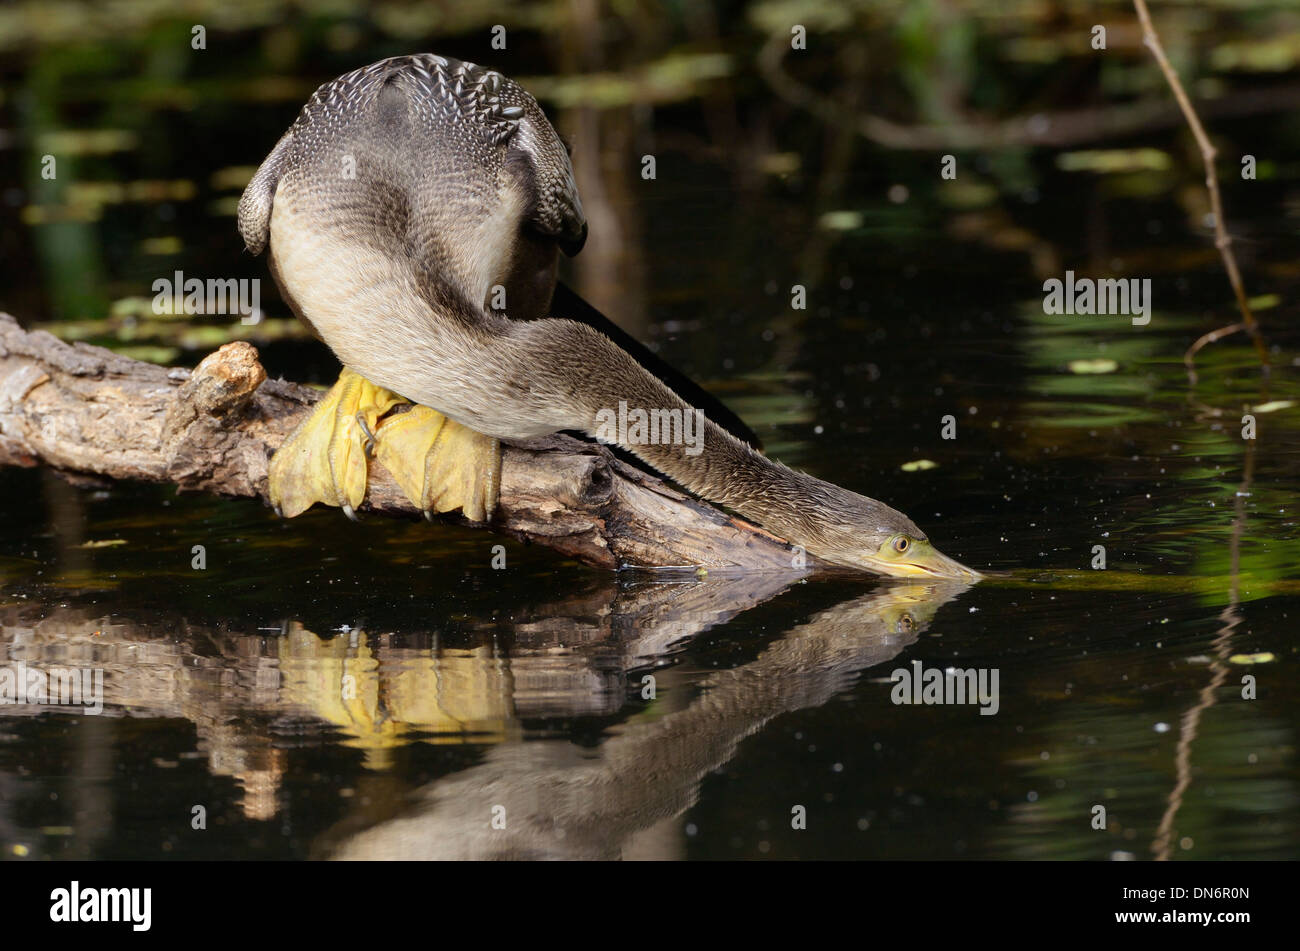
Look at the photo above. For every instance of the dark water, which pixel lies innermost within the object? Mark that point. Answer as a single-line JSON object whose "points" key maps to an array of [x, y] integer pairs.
{"points": [[480, 694]]}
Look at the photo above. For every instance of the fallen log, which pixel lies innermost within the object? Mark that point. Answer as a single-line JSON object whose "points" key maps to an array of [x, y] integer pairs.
{"points": [[86, 410]]}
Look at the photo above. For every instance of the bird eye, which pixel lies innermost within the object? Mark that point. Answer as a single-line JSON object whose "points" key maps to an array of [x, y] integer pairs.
{"points": [[905, 624], [901, 543]]}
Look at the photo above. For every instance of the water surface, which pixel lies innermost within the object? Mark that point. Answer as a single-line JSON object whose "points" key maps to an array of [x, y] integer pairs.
{"points": [[330, 689]]}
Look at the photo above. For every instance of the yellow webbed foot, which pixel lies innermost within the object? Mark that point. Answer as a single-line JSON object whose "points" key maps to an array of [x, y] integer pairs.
{"points": [[440, 464], [324, 459]]}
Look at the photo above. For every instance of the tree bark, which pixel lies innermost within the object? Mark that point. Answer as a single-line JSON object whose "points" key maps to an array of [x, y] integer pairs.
{"points": [[86, 410]]}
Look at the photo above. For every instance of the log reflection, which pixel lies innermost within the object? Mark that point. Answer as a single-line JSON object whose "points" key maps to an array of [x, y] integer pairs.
{"points": [[256, 695]]}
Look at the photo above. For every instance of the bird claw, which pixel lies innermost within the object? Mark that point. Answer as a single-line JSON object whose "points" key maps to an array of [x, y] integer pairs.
{"points": [[439, 464], [326, 459]]}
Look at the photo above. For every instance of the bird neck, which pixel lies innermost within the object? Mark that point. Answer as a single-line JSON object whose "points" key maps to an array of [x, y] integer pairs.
{"points": [[618, 401]]}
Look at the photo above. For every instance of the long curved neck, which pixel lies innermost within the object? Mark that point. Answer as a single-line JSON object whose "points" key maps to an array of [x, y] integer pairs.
{"points": [[597, 388]]}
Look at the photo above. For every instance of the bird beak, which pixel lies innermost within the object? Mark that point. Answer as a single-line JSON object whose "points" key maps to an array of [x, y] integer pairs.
{"points": [[923, 560]]}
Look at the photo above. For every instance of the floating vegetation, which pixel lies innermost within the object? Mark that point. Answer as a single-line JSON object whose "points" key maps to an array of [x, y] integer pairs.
{"points": [[85, 201], [1112, 161], [169, 244], [1094, 366], [1272, 406], [62, 142], [1264, 657], [840, 221]]}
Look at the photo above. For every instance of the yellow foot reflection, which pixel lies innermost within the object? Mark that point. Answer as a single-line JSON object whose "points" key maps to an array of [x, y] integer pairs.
{"points": [[439, 464]]}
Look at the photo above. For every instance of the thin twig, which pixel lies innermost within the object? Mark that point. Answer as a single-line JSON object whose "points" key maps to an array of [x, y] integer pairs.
{"points": [[1189, 358], [1221, 239]]}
